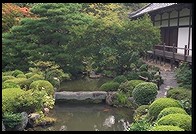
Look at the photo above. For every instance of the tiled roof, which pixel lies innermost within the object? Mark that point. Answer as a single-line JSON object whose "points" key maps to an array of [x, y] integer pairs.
{"points": [[149, 8]]}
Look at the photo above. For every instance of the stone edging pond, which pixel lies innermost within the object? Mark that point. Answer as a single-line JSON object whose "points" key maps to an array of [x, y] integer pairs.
{"points": [[81, 96]]}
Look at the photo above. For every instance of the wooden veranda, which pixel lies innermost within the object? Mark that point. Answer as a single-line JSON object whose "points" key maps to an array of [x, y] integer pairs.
{"points": [[163, 52]]}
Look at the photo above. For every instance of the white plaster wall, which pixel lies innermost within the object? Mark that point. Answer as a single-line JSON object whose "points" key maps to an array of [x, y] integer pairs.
{"points": [[182, 38]]}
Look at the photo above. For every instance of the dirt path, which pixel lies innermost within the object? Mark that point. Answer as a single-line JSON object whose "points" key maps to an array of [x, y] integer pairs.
{"points": [[167, 75]]}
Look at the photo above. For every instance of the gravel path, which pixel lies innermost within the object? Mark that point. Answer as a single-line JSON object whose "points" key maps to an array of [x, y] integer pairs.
{"points": [[167, 75], [169, 81]]}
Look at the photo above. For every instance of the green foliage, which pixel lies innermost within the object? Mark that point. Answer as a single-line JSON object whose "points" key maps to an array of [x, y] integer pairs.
{"points": [[4, 78], [126, 87], [33, 78], [145, 93], [8, 99], [16, 72], [135, 82], [7, 73], [122, 98], [158, 105], [11, 119], [140, 111], [42, 85], [20, 76], [132, 75], [140, 125], [181, 120], [110, 86], [183, 95], [166, 128], [171, 110], [120, 79], [184, 75], [9, 85], [146, 74], [143, 67], [179, 93], [19, 81], [29, 74]]}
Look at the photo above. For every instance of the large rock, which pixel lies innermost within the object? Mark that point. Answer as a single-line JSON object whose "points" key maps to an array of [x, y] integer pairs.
{"points": [[110, 98], [95, 96], [23, 123], [3, 126], [32, 118]]}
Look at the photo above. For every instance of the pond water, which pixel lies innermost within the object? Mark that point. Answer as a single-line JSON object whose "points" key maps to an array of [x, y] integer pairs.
{"points": [[88, 117], [85, 84]]}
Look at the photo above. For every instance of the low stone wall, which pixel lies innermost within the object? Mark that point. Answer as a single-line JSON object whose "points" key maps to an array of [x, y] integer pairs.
{"points": [[94, 97]]}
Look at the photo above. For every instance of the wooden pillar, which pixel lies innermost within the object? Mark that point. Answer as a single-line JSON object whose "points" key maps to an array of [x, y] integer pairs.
{"points": [[164, 53], [185, 52], [173, 56]]}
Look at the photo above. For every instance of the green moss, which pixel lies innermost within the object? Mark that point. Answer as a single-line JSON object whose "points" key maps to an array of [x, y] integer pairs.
{"points": [[166, 128], [145, 93], [181, 120], [170, 110], [158, 105]]}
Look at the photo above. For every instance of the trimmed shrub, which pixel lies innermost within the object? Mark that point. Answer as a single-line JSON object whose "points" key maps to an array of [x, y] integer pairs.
{"points": [[126, 87], [140, 111], [10, 119], [4, 78], [158, 105], [35, 77], [21, 76], [133, 66], [7, 73], [110, 86], [16, 72], [179, 93], [166, 128], [19, 81], [171, 110], [42, 85], [146, 75], [134, 83], [120, 79], [145, 93], [30, 74], [8, 99], [181, 120], [132, 76], [143, 67], [9, 85], [30, 101], [140, 125]]}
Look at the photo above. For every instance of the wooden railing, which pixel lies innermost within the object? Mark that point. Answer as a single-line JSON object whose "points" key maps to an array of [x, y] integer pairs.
{"points": [[164, 52]]}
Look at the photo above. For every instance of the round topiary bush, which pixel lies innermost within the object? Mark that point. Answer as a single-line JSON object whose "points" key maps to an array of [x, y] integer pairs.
{"points": [[134, 83], [9, 85], [16, 72], [21, 76], [30, 74], [120, 79], [158, 105], [132, 76], [35, 77], [19, 81], [166, 128], [4, 78], [144, 93], [42, 85], [8, 99], [179, 93], [110, 86], [171, 110], [181, 120]]}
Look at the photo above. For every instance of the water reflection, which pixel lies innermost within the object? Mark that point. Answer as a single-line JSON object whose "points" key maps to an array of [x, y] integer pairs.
{"points": [[89, 117]]}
